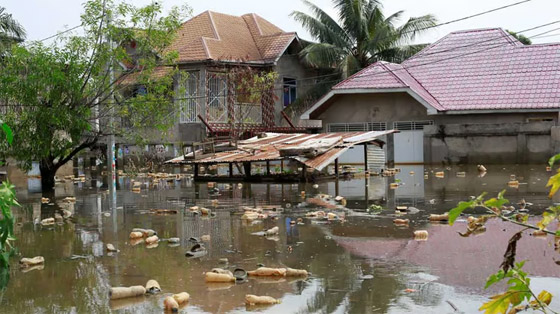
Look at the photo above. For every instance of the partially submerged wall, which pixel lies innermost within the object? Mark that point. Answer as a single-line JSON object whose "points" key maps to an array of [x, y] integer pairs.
{"points": [[490, 143]]}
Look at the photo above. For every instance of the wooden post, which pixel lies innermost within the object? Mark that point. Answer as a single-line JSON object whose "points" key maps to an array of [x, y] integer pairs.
{"points": [[304, 173], [365, 158], [230, 169], [336, 188], [195, 169], [247, 168], [336, 167], [281, 166], [268, 168]]}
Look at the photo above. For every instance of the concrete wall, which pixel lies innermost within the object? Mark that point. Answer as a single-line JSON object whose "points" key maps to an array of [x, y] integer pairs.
{"points": [[290, 66], [489, 143], [472, 138]]}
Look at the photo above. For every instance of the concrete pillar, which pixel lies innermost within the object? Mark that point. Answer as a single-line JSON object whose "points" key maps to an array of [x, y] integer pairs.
{"points": [[390, 150], [522, 149]]}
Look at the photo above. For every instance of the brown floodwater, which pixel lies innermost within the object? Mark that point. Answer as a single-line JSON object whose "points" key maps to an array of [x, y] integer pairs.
{"points": [[363, 264]]}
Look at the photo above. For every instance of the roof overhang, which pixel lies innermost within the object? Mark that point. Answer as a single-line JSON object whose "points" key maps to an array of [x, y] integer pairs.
{"points": [[296, 38], [487, 111], [307, 114]]}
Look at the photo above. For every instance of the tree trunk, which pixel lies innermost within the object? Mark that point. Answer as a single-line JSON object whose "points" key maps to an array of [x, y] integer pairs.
{"points": [[48, 171]]}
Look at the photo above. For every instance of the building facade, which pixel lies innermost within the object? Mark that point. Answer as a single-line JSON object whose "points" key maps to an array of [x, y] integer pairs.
{"points": [[477, 96], [209, 46]]}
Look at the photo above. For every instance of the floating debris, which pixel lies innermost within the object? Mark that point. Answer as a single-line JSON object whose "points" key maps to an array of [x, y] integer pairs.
{"points": [[401, 222], [111, 248], [47, 221], [443, 217], [421, 235], [29, 262], [251, 299], [126, 292], [225, 276], [153, 287]]}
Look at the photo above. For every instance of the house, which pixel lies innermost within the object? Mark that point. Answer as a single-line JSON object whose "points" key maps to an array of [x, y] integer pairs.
{"points": [[474, 96], [211, 44]]}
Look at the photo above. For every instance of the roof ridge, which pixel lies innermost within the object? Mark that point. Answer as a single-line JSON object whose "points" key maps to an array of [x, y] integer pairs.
{"points": [[424, 88], [213, 24], [502, 32], [261, 53], [393, 73]]}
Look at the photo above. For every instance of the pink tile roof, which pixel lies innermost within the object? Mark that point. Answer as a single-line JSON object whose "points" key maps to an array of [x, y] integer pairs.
{"points": [[223, 37], [473, 70]]}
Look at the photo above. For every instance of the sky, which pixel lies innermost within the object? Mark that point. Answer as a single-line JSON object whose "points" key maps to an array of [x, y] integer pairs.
{"points": [[43, 18]]}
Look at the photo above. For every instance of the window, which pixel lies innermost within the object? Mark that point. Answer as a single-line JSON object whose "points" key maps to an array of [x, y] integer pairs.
{"points": [[411, 125], [290, 91], [188, 97], [217, 98]]}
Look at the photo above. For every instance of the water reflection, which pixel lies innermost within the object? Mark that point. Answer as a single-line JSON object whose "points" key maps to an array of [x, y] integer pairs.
{"points": [[362, 265]]}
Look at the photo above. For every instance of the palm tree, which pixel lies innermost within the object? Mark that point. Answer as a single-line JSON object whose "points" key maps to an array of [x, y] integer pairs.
{"points": [[362, 36], [10, 30]]}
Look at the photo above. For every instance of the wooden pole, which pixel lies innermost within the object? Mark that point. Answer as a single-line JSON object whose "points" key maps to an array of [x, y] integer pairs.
{"points": [[247, 168], [268, 168], [195, 169], [336, 167], [365, 158], [230, 169], [282, 166]]}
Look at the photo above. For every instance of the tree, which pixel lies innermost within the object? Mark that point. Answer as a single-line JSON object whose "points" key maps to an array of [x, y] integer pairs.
{"points": [[362, 36], [10, 30], [522, 38], [58, 97]]}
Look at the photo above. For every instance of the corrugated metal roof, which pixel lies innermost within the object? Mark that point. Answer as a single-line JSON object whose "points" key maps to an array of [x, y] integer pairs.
{"points": [[268, 147]]}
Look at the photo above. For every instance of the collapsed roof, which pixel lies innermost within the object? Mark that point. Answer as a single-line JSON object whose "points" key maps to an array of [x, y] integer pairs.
{"points": [[316, 151]]}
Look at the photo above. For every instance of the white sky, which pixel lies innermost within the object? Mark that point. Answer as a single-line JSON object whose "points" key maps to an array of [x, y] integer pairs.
{"points": [[42, 18]]}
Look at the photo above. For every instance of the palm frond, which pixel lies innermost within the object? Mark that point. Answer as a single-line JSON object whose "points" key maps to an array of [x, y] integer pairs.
{"points": [[415, 26], [322, 55], [336, 33], [9, 27]]}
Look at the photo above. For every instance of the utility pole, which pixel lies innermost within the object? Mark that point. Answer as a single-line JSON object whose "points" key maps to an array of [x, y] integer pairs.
{"points": [[111, 160]]}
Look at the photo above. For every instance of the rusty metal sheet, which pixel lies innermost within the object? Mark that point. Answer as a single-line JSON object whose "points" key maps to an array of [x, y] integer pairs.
{"points": [[267, 148]]}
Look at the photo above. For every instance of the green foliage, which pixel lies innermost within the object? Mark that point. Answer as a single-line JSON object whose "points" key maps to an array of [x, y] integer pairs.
{"points": [[360, 35], [518, 291], [8, 131], [7, 200], [553, 160], [548, 216], [462, 206], [497, 202], [554, 184], [522, 38], [60, 95]]}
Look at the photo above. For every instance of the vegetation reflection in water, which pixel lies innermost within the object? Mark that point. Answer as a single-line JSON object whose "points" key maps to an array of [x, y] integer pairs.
{"points": [[340, 255]]}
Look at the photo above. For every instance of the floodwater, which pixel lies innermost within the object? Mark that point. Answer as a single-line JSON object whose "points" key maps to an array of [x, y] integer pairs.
{"points": [[363, 264]]}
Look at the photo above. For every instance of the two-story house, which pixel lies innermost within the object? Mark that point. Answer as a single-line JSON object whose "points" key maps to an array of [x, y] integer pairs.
{"points": [[208, 46]]}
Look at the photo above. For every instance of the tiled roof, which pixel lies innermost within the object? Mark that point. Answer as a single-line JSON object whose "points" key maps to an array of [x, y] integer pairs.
{"points": [[223, 37], [473, 70]]}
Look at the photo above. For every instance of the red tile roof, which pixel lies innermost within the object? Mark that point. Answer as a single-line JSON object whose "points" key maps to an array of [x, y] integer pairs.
{"points": [[223, 37], [473, 70]]}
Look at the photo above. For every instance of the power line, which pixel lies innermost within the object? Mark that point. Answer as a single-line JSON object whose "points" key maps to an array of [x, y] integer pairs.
{"points": [[405, 68], [55, 35], [474, 15]]}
